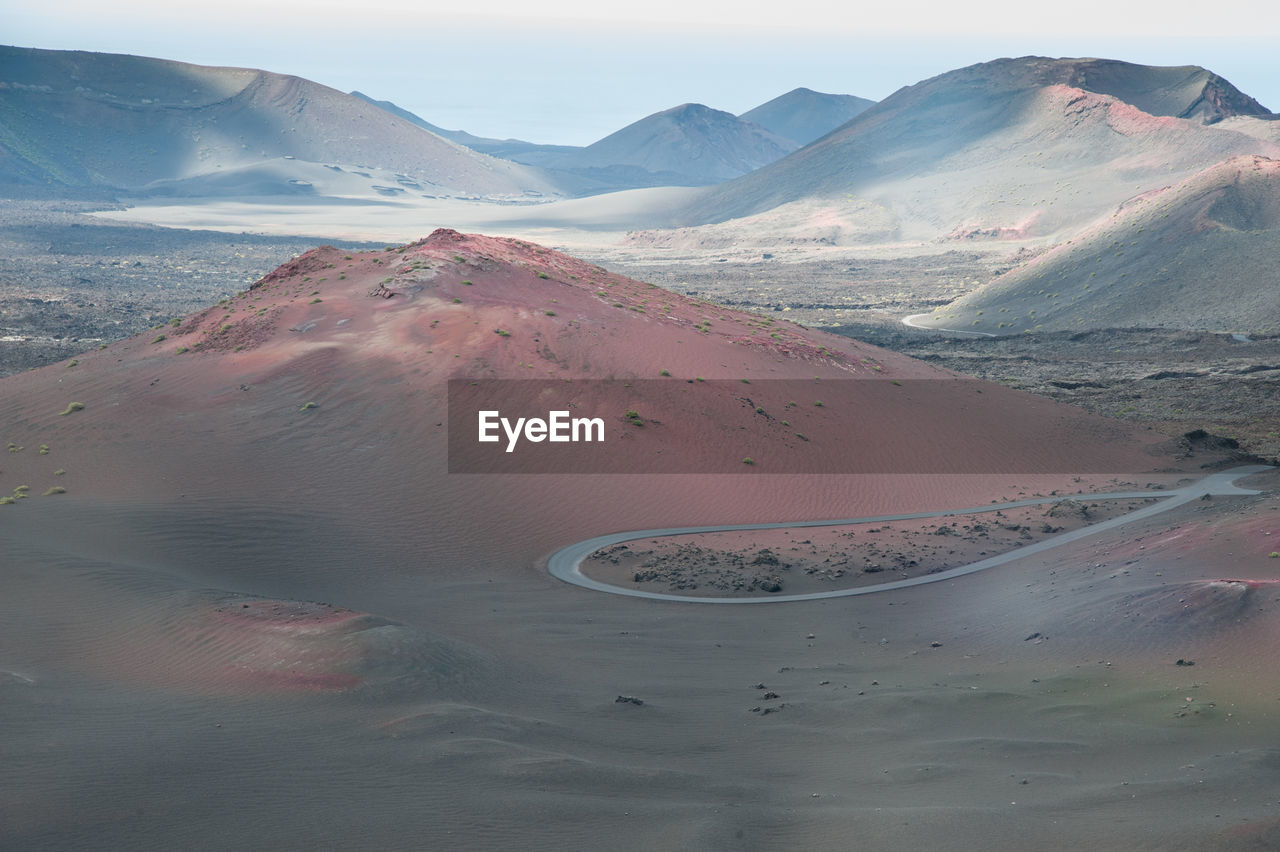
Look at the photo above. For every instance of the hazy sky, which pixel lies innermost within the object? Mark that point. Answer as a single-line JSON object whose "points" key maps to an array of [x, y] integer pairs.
{"points": [[575, 71]]}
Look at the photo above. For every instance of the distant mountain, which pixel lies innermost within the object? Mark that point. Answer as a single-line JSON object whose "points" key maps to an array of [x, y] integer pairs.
{"points": [[459, 136], [507, 149], [1014, 148], [71, 120], [1204, 254], [803, 115], [690, 145]]}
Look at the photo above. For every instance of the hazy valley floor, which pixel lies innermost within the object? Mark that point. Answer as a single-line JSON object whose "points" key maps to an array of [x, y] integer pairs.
{"points": [[242, 628], [1030, 707]]}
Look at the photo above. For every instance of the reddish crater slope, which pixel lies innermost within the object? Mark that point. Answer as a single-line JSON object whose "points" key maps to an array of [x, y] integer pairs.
{"points": [[336, 354], [297, 436]]}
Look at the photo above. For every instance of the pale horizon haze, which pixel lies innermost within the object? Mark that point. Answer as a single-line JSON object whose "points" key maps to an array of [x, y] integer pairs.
{"points": [[577, 71]]}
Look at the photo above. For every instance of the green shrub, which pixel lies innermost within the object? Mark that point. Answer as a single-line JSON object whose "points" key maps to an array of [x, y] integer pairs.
{"points": [[57, 489], [308, 406], [502, 332], [748, 460], [664, 372], [159, 339], [75, 406]]}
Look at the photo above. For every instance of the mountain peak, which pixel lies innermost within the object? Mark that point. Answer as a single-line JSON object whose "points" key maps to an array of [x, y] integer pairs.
{"points": [[694, 109], [1027, 146], [1179, 91], [692, 142], [804, 115]]}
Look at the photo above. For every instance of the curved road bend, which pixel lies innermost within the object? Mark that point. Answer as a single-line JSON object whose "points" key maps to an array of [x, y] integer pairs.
{"points": [[566, 564], [907, 321]]}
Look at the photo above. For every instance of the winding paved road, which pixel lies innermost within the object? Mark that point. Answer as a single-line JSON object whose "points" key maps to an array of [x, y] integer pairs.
{"points": [[566, 564], [907, 321]]}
